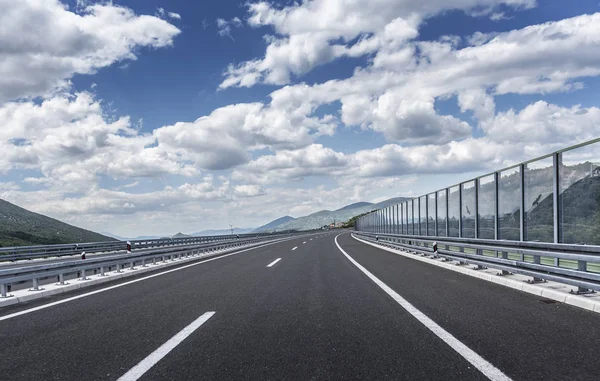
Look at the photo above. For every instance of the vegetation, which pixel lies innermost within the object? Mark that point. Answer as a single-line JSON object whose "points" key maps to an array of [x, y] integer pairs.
{"points": [[20, 227], [352, 222]]}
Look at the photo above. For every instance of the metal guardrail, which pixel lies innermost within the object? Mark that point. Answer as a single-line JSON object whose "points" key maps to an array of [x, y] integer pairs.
{"points": [[575, 265], [103, 265], [44, 251]]}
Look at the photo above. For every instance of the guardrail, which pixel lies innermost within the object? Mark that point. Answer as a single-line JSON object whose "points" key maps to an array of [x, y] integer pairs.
{"points": [[103, 265], [44, 251], [575, 265]]}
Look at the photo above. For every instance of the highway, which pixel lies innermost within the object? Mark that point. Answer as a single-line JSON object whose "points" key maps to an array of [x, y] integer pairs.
{"points": [[301, 309]]}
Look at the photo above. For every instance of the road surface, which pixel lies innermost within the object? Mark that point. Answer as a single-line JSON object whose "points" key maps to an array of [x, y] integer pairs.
{"points": [[300, 309]]}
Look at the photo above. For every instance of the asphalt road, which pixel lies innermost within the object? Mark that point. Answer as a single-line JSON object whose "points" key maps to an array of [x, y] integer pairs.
{"points": [[312, 315]]}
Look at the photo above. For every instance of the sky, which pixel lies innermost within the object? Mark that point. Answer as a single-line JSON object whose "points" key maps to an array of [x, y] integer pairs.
{"points": [[148, 117]]}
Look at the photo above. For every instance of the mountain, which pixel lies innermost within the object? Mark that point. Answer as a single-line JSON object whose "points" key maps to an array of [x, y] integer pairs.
{"points": [[355, 205], [20, 227], [140, 237], [222, 232], [274, 224], [326, 217], [181, 235]]}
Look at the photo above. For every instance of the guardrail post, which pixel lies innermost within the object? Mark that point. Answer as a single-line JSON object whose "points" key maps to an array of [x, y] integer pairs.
{"points": [[479, 252], [36, 285], [536, 260], [4, 289], [102, 271], [132, 265], [61, 279], [504, 272], [461, 249], [582, 266], [118, 270], [83, 277]]}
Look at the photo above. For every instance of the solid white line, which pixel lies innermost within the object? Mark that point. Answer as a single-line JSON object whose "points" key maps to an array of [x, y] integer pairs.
{"points": [[143, 366], [311, 239], [295, 247], [273, 263], [489, 370], [6, 317], [303, 242]]}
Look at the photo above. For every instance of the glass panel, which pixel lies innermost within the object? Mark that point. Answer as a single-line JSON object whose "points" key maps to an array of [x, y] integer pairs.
{"points": [[579, 195], [431, 212], [402, 219], [468, 209], [441, 213], [411, 229], [408, 217], [423, 215], [509, 204], [486, 205], [415, 202], [453, 211], [539, 202], [400, 223], [388, 219]]}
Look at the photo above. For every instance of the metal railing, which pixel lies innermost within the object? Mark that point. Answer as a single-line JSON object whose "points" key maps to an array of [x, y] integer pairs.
{"points": [[576, 265], [553, 198], [44, 251], [100, 266]]}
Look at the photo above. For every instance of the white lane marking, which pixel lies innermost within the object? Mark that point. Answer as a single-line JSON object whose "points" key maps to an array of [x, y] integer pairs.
{"points": [[303, 242], [143, 366], [6, 317], [311, 239], [295, 247], [273, 263], [489, 370]]}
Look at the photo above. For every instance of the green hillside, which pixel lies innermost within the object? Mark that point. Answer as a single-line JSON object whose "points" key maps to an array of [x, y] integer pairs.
{"points": [[20, 227]]}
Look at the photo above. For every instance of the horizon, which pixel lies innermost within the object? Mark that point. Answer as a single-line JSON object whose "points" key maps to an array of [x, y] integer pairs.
{"points": [[134, 115]]}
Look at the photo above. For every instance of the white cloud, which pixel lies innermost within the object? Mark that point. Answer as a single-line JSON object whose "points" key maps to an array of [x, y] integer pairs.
{"points": [[224, 138], [248, 190], [68, 139], [476, 100], [315, 32], [413, 121], [174, 15], [224, 26], [545, 124], [498, 16], [292, 165], [38, 60]]}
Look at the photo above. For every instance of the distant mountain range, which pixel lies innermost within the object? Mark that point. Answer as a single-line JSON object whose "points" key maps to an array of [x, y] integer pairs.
{"points": [[20, 227], [274, 224], [326, 217], [222, 232]]}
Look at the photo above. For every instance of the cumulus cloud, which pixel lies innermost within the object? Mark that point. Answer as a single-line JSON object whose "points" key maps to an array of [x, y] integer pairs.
{"points": [[67, 138], [399, 100], [248, 190], [292, 165], [37, 60], [312, 33], [224, 138]]}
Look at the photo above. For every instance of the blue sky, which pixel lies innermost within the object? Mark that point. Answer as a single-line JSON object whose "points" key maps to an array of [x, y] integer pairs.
{"points": [[152, 117]]}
